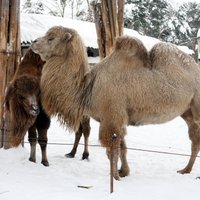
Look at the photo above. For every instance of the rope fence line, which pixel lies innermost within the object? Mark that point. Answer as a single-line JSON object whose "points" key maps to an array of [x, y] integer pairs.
{"points": [[128, 148]]}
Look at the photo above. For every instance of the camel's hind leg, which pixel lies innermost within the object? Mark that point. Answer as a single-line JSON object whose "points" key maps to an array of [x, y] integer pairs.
{"points": [[84, 129], [86, 132], [194, 134]]}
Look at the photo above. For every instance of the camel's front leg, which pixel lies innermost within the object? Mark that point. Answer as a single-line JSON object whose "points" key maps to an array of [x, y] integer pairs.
{"points": [[32, 138], [78, 135], [113, 155], [42, 140], [124, 170]]}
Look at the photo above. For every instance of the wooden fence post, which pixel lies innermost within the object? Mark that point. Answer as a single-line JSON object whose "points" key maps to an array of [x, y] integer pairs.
{"points": [[4, 11], [198, 45], [9, 59], [100, 30], [109, 24]]}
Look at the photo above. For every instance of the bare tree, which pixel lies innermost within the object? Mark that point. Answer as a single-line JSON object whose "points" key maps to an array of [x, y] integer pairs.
{"points": [[58, 7]]}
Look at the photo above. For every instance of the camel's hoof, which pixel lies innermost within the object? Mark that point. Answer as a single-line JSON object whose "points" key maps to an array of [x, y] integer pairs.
{"points": [[116, 177], [69, 155], [85, 155], [123, 173], [32, 160], [45, 163], [184, 171]]}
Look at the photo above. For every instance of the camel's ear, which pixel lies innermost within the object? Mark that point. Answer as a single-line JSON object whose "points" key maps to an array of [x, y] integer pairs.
{"points": [[9, 93], [67, 36]]}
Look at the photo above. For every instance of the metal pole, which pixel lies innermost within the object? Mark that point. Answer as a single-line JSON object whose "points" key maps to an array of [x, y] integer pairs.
{"points": [[114, 137]]}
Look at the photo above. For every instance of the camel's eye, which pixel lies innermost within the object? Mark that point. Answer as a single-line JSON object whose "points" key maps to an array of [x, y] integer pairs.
{"points": [[50, 39], [20, 97]]}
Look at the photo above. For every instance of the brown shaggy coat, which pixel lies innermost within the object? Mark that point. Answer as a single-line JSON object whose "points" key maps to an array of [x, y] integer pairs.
{"points": [[129, 87], [22, 101], [55, 105]]}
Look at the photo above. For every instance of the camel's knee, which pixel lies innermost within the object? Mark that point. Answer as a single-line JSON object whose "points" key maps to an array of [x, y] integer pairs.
{"points": [[42, 138], [85, 124], [32, 135], [110, 135]]}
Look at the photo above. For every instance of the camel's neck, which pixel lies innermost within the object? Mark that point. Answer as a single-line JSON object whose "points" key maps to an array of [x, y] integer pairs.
{"points": [[63, 87]]}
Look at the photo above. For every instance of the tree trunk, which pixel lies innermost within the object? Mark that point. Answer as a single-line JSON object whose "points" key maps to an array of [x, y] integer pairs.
{"points": [[198, 43]]}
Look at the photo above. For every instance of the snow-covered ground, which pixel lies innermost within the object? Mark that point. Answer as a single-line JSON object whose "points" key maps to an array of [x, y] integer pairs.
{"points": [[153, 175]]}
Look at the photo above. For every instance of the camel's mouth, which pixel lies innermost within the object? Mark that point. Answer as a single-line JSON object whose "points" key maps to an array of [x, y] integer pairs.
{"points": [[34, 50], [34, 110]]}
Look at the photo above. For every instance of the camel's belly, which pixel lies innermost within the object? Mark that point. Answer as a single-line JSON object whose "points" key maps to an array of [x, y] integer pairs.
{"points": [[144, 118]]}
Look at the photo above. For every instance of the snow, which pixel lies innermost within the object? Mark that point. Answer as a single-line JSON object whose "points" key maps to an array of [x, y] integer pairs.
{"points": [[177, 3], [153, 175], [36, 25], [198, 33]]}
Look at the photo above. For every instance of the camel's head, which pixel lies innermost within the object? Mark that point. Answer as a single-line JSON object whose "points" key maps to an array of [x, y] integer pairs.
{"points": [[22, 103], [24, 93], [54, 42]]}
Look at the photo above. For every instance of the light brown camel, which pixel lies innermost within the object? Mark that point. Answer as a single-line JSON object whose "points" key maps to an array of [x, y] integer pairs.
{"points": [[123, 89]]}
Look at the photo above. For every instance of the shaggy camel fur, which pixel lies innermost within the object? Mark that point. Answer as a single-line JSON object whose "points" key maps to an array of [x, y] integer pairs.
{"points": [[123, 89], [53, 100], [22, 101]]}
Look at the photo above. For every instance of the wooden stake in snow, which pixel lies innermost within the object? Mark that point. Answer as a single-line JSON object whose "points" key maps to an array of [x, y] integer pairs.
{"points": [[198, 45], [114, 137]]}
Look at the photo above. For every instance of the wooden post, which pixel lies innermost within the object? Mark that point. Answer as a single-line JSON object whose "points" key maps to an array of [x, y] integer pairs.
{"points": [[100, 30], [111, 169], [114, 137], [120, 17], [3, 60], [198, 45], [109, 24], [9, 58]]}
